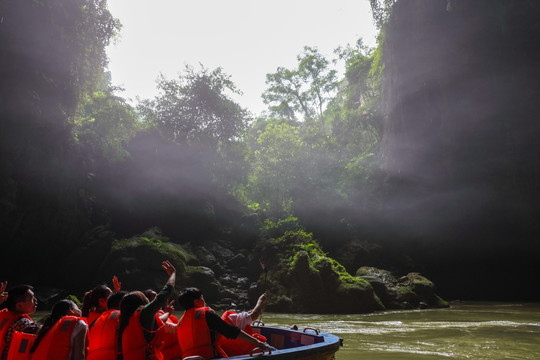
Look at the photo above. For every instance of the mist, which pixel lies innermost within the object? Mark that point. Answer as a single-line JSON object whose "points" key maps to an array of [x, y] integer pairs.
{"points": [[437, 172], [458, 143]]}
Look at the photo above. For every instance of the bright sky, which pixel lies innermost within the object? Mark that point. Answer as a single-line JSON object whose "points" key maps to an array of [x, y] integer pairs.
{"points": [[247, 38]]}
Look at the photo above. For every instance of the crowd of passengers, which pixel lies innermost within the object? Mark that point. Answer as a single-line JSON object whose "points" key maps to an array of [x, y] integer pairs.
{"points": [[116, 325]]}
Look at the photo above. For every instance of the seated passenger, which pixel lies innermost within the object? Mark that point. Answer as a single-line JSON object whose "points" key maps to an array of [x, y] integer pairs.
{"points": [[139, 323], [199, 326], [165, 313], [243, 320], [103, 335], [95, 303], [20, 303], [166, 335], [63, 335]]}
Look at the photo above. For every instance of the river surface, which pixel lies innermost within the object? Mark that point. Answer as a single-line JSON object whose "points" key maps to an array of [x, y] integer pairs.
{"points": [[464, 331], [478, 331]]}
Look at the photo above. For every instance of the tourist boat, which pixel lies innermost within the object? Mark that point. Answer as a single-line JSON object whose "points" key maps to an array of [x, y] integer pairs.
{"points": [[292, 344]]}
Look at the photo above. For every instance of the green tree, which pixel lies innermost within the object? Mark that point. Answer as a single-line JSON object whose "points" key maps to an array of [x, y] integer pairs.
{"points": [[381, 10], [304, 91], [356, 121], [103, 125], [196, 108], [331, 152], [355, 115], [277, 157]]}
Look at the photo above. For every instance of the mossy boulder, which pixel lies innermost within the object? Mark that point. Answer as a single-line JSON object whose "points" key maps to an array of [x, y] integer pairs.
{"points": [[424, 289], [137, 261], [383, 282], [410, 291], [304, 279]]}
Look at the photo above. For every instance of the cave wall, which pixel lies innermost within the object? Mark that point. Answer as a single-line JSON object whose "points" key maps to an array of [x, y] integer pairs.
{"points": [[460, 145]]}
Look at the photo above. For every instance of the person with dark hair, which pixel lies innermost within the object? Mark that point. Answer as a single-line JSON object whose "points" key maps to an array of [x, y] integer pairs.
{"points": [[165, 313], [150, 294], [139, 323], [103, 334], [20, 304], [114, 301], [63, 335], [199, 326], [95, 302]]}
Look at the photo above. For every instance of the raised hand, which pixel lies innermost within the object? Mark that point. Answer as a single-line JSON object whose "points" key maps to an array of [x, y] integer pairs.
{"points": [[168, 267], [117, 285], [169, 308]]}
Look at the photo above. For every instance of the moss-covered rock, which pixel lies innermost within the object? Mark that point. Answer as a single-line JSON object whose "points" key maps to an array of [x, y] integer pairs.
{"points": [[410, 291], [137, 261], [383, 282], [424, 289], [304, 279]]}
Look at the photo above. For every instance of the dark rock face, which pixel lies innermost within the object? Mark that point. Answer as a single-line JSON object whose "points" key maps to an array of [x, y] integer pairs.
{"points": [[460, 140], [409, 291], [300, 277]]}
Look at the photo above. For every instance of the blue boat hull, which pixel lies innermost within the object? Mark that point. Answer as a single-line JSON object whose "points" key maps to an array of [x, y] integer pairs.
{"points": [[308, 344]]}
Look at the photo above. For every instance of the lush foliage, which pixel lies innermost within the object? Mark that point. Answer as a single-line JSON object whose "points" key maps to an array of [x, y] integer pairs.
{"points": [[190, 160], [316, 144], [53, 52], [303, 92]]}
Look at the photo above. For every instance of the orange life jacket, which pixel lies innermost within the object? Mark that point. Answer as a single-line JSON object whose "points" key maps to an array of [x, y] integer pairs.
{"points": [[167, 340], [20, 346], [194, 336], [7, 318], [234, 347], [103, 337], [172, 319], [92, 317], [56, 344], [134, 345]]}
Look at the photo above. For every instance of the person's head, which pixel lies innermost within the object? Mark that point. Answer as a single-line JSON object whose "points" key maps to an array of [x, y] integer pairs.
{"points": [[113, 302], [150, 294], [60, 309], [132, 301], [129, 304], [190, 298], [96, 300], [64, 307], [21, 299]]}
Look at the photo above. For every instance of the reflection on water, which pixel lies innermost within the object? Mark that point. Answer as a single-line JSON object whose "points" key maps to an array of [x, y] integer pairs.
{"points": [[464, 331]]}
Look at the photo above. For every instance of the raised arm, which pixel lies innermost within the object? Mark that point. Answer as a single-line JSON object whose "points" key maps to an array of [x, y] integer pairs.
{"points": [[250, 339], [150, 309], [258, 309]]}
